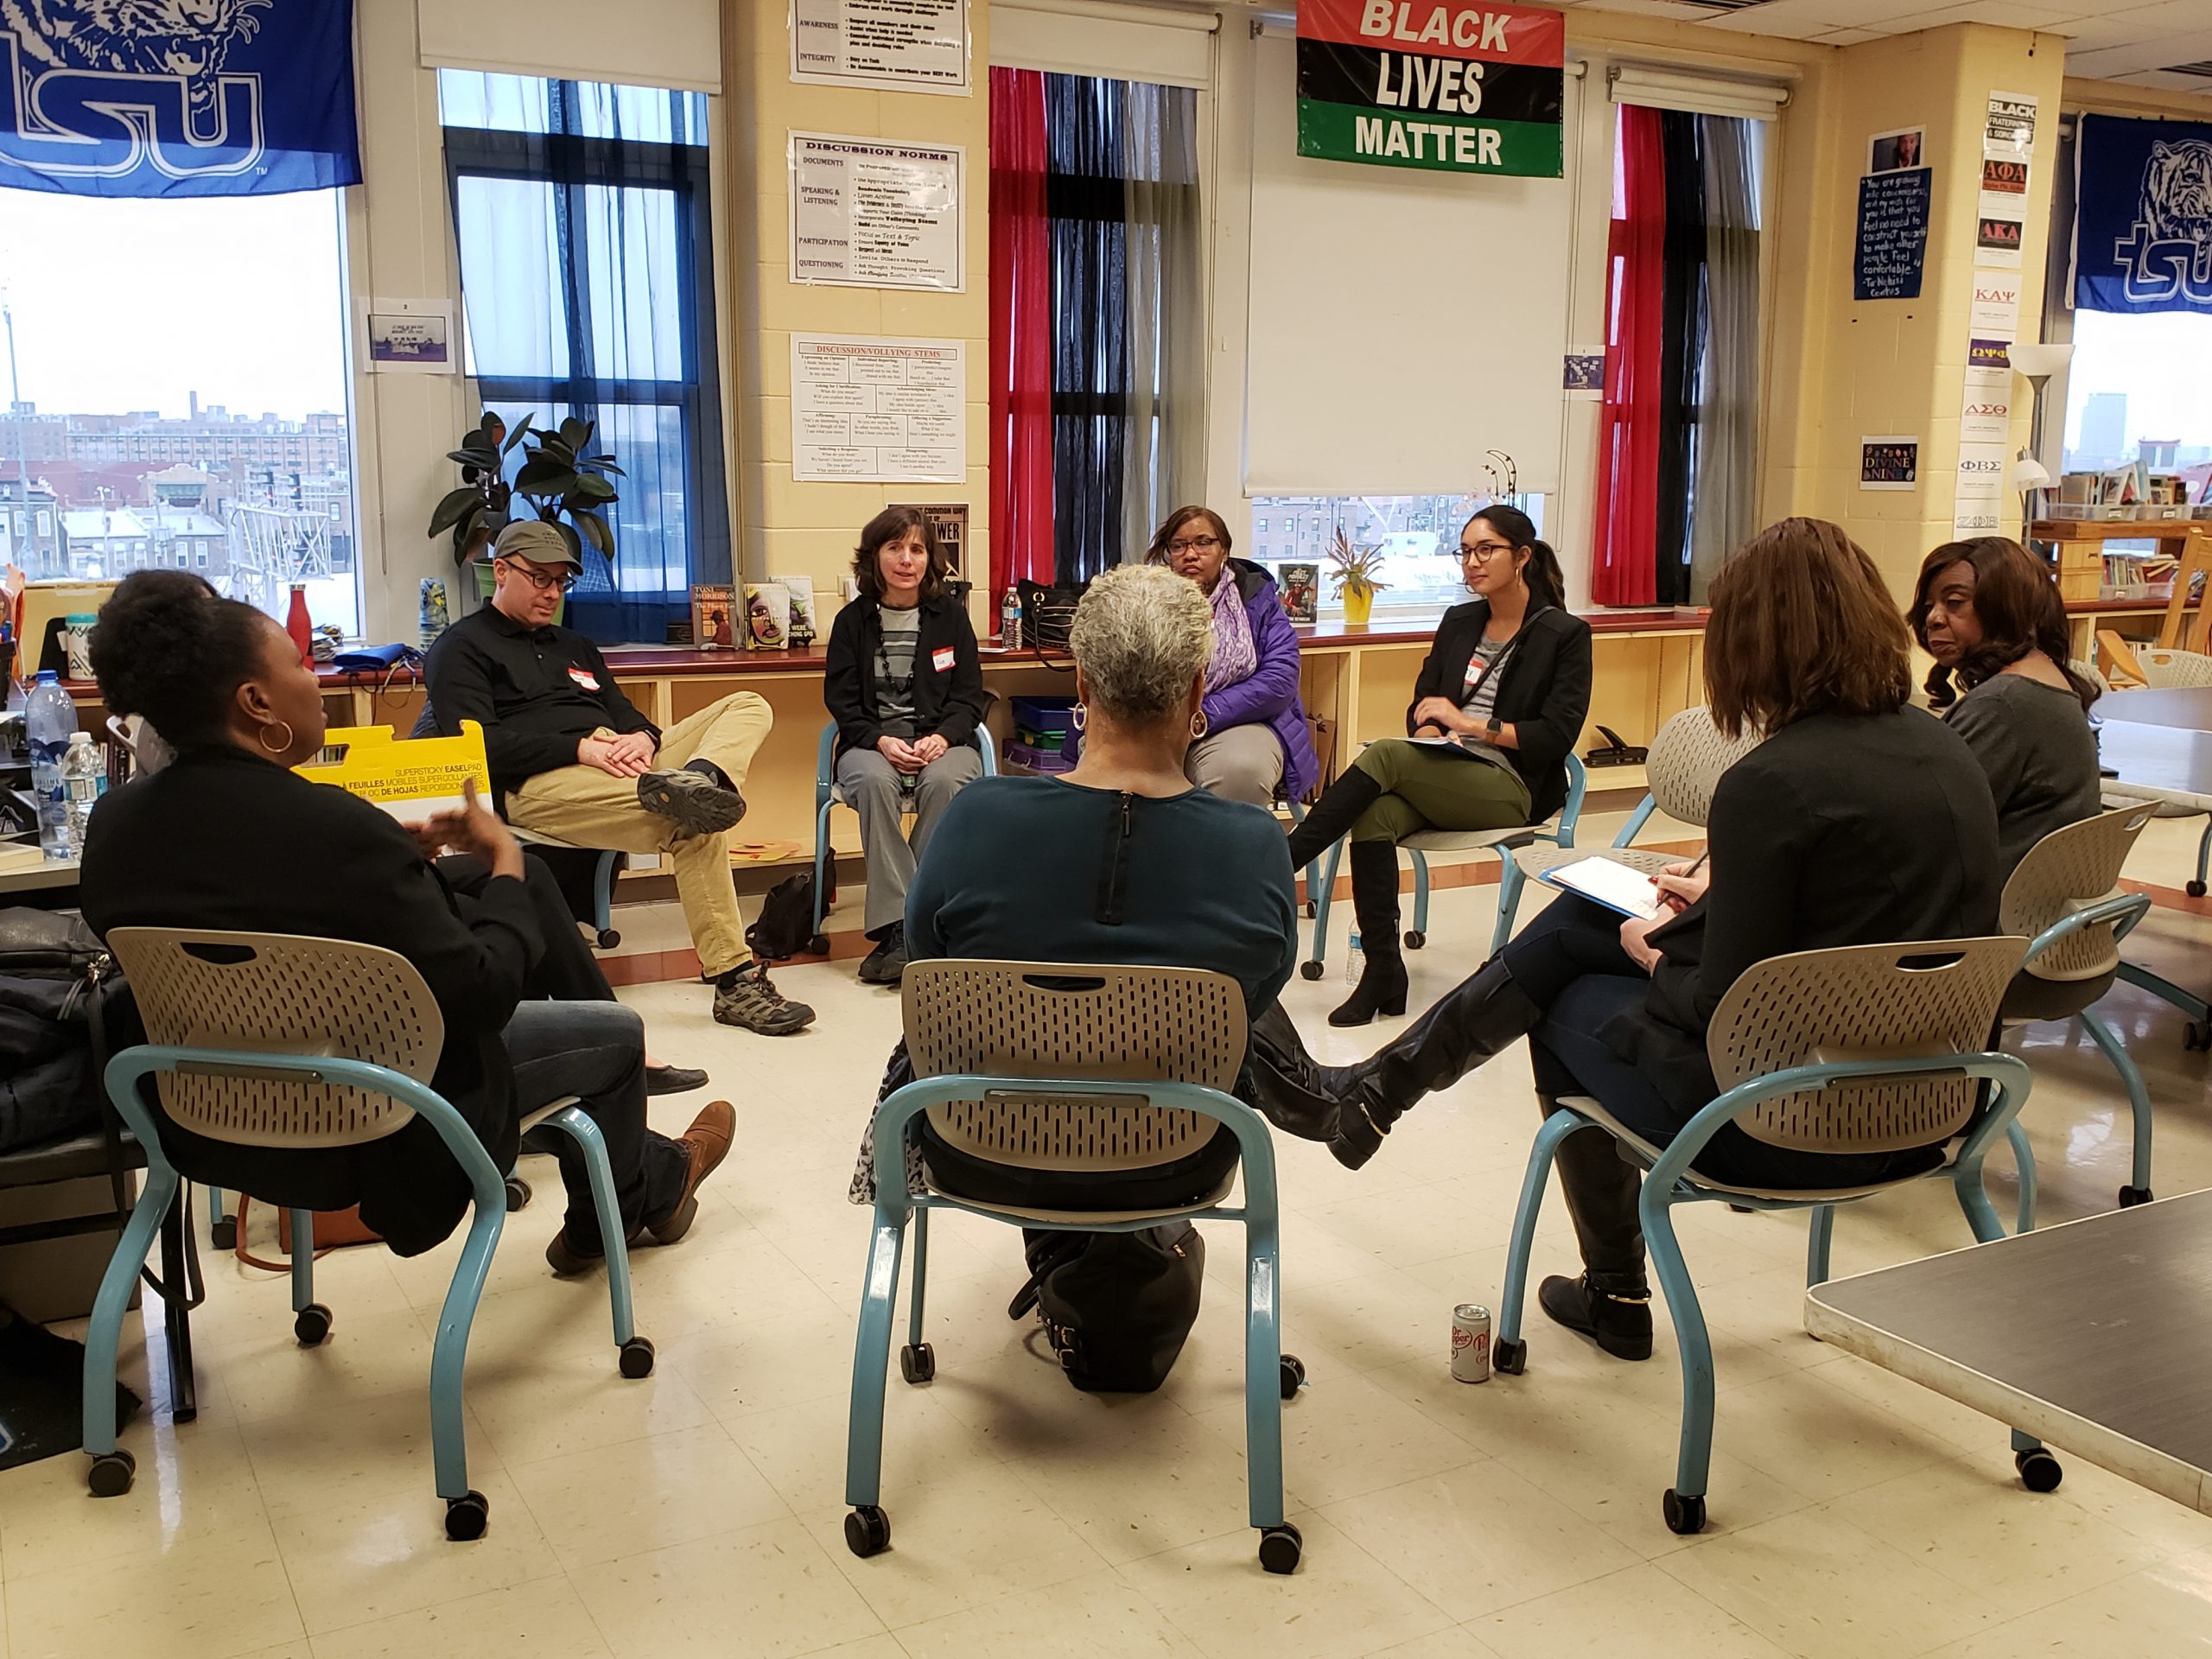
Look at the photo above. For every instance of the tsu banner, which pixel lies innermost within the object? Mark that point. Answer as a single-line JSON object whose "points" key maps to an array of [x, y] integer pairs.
{"points": [[1454, 86], [167, 98], [2143, 228]]}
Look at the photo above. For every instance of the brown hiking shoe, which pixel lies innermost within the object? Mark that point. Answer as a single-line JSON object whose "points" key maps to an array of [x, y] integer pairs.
{"points": [[706, 1143]]}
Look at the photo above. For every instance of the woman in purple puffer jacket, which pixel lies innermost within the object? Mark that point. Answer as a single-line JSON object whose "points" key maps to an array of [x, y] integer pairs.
{"points": [[1252, 736]]}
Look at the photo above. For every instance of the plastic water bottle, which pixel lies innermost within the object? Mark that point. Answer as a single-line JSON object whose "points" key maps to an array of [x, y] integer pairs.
{"points": [[51, 719], [1010, 621], [84, 780], [1355, 960]]}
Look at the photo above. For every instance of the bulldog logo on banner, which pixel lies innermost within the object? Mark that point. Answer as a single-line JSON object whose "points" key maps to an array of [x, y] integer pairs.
{"points": [[2143, 231], [1454, 86], [177, 98]]}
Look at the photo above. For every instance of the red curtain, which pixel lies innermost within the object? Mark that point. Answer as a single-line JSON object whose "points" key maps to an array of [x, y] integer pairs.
{"points": [[1624, 565], [1021, 337]]}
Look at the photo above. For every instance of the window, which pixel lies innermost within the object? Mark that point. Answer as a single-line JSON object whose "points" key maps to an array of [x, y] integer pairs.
{"points": [[583, 212], [1419, 535], [145, 330], [2136, 389]]}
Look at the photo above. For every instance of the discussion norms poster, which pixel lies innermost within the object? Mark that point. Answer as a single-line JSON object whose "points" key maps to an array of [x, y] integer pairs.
{"points": [[1445, 85]]}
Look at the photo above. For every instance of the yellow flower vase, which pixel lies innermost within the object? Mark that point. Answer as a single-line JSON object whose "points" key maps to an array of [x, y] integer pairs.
{"points": [[1359, 606]]}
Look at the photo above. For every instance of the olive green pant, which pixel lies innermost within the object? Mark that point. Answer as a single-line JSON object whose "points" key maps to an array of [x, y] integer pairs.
{"points": [[1424, 788]]}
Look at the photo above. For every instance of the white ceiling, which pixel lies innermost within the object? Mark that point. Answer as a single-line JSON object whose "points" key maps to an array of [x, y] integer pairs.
{"points": [[2136, 44]]}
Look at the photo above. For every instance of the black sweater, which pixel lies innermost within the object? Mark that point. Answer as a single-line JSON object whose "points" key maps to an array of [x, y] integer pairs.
{"points": [[221, 839], [535, 691], [1543, 690], [1838, 830], [949, 696]]}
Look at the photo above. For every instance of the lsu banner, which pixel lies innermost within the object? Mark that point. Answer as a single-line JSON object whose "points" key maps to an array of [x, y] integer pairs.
{"points": [[1454, 86], [2143, 225], [177, 98]]}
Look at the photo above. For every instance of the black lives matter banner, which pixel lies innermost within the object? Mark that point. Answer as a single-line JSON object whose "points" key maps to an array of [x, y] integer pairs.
{"points": [[1446, 85]]}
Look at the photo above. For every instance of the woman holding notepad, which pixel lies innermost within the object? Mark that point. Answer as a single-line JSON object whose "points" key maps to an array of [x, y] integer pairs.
{"points": [[1501, 698], [1859, 821]]}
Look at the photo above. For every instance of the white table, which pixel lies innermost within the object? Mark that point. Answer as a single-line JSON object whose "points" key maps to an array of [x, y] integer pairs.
{"points": [[2095, 1337], [49, 873]]}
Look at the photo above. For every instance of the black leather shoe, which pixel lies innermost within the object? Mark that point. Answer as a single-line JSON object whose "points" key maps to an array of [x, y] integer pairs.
{"points": [[673, 1079], [887, 964], [1619, 1321]]}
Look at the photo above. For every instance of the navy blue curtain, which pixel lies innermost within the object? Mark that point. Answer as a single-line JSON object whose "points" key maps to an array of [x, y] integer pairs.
{"points": [[1085, 201], [587, 272], [1681, 351]]}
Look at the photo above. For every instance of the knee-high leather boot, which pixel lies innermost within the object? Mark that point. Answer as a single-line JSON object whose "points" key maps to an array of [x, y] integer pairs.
{"points": [[1477, 1018], [1333, 815], [1381, 987], [1610, 1302]]}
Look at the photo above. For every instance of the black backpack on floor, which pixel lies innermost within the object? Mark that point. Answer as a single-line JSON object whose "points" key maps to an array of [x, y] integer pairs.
{"points": [[786, 925], [1117, 1306]]}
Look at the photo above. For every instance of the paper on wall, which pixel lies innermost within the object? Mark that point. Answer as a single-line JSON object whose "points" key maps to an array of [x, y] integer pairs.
{"points": [[872, 213], [1978, 498], [2008, 131], [909, 46], [866, 410]]}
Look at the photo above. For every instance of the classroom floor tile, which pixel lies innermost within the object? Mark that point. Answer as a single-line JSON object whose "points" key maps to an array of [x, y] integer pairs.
{"points": [[700, 1512]]}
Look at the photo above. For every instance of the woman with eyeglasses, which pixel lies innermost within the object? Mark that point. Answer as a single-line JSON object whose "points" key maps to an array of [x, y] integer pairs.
{"points": [[1498, 705], [1251, 733]]}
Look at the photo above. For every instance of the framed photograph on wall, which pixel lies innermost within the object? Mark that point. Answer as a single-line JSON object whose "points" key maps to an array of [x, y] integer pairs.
{"points": [[1897, 152]]}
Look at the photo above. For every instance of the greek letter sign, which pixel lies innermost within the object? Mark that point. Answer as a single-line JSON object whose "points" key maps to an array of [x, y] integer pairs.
{"points": [[1454, 86], [177, 98], [2143, 232]]}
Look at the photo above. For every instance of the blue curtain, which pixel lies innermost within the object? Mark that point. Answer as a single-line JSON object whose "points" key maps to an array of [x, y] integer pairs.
{"points": [[581, 212]]}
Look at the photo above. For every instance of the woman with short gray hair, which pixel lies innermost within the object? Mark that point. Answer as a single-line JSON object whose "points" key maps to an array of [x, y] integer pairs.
{"points": [[1121, 860]]}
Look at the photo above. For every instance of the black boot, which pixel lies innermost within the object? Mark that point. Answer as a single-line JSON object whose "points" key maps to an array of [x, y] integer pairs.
{"points": [[1611, 1303], [1332, 816], [1375, 904], [1473, 1021]]}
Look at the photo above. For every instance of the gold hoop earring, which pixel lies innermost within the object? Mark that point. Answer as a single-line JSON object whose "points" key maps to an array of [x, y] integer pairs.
{"points": [[1198, 725], [261, 737]]}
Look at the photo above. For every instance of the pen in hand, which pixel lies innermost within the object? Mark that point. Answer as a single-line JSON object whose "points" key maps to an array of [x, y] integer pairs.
{"points": [[1674, 901]]}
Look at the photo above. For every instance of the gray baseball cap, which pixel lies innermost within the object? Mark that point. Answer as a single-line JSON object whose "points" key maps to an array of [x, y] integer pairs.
{"points": [[536, 542]]}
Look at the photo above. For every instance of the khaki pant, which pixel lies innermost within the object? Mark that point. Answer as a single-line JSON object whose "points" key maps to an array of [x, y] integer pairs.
{"points": [[584, 805], [1238, 763]]}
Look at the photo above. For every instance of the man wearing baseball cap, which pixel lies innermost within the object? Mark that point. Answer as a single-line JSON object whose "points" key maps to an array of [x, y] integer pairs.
{"points": [[571, 757]]}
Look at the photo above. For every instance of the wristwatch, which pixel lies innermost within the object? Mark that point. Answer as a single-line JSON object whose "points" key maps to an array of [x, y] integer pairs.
{"points": [[1492, 730]]}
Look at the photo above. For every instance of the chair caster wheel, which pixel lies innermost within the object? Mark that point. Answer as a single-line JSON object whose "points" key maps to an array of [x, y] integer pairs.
{"points": [[2194, 889], [1293, 1374], [1415, 939], [311, 1324], [609, 937], [917, 1363], [467, 1517], [1310, 971], [2131, 1196], [224, 1234], [819, 945], [1684, 1515], [2039, 1470], [111, 1473], [1508, 1357], [636, 1359], [2197, 1035], [517, 1193], [1279, 1548], [1311, 909], [867, 1531]]}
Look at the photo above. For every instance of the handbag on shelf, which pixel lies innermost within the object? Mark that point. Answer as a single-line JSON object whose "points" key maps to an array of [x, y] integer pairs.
{"points": [[1048, 614]]}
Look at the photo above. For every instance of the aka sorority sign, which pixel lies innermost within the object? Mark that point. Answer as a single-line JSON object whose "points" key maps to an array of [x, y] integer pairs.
{"points": [[1455, 85]]}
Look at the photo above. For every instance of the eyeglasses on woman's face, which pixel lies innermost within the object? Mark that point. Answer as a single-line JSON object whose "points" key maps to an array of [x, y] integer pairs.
{"points": [[560, 581], [1194, 544], [1483, 552]]}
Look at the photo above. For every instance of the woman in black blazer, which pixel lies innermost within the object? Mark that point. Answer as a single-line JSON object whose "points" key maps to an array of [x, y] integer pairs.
{"points": [[1860, 820], [1501, 699], [904, 683], [228, 836]]}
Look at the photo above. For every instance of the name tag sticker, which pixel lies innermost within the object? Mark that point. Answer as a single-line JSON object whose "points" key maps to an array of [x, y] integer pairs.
{"points": [[941, 659], [584, 677], [1474, 671]]}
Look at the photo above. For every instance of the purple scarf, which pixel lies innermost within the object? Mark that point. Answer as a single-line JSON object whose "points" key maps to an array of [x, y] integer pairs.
{"points": [[1235, 657]]}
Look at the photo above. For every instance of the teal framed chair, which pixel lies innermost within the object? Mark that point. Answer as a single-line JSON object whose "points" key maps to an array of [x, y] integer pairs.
{"points": [[1867, 1048], [2063, 896], [827, 795], [274, 1040], [1070, 1068], [1559, 831]]}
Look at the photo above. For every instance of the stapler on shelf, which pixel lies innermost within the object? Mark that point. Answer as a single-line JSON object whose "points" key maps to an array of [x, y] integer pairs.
{"points": [[1613, 751]]}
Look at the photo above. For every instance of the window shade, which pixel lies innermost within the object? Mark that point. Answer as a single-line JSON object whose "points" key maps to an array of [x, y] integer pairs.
{"points": [[1402, 323], [1169, 48], [672, 43], [1671, 88]]}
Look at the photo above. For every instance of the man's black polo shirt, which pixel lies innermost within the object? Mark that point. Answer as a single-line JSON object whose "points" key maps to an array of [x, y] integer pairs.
{"points": [[537, 691]]}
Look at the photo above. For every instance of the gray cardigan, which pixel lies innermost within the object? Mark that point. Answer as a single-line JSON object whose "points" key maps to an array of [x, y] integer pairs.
{"points": [[2034, 741]]}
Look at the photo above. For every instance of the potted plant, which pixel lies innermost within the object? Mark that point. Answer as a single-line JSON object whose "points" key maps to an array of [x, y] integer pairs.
{"points": [[1354, 571], [566, 487]]}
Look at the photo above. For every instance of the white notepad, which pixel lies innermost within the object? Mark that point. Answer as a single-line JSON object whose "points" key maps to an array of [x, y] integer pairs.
{"points": [[1614, 884]]}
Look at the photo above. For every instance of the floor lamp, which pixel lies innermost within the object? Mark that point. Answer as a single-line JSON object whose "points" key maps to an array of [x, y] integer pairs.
{"points": [[2035, 363]]}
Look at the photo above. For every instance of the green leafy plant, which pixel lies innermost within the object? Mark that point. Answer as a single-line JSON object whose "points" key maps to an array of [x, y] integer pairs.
{"points": [[563, 484], [1354, 569]]}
